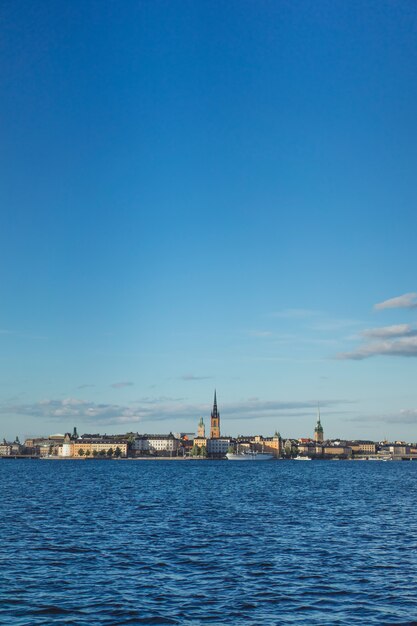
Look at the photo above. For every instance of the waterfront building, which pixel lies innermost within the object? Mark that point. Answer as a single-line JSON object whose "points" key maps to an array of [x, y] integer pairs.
{"points": [[215, 420], [96, 447], [258, 443], [67, 448], [361, 448], [5, 448], [11, 448], [200, 442], [337, 451], [217, 447], [310, 449], [158, 445], [318, 431]]}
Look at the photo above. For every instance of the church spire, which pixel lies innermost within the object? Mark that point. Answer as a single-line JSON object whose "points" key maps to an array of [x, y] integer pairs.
{"points": [[215, 420], [318, 431], [201, 430]]}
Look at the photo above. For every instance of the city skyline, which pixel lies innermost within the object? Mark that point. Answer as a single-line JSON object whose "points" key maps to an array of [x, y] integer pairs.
{"points": [[206, 196]]}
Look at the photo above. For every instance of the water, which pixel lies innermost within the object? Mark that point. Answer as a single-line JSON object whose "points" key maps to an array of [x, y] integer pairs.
{"points": [[87, 542]]}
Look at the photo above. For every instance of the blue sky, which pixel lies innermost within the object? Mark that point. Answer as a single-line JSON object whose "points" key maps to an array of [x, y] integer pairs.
{"points": [[208, 194]]}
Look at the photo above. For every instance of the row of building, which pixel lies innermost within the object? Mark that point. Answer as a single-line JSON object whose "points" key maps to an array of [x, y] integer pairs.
{"points": [[72, 445]]}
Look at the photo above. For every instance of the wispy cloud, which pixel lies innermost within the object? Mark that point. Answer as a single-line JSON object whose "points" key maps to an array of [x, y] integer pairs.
{"points": [[121, 385], [192, 377], [85, 386], [160, 409], [404, 346], [75, 408], [406, 301], [404, 416], [386, 332]]}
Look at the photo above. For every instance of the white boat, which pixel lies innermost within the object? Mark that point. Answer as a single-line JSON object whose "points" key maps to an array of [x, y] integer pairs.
{"points": [[302, 458], [249, 456]]}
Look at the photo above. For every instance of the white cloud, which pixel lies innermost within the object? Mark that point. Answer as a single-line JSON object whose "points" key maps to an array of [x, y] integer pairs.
{"points": [[404, 416], [160, 409], [386, 332], [406, 301], [405, 346]]}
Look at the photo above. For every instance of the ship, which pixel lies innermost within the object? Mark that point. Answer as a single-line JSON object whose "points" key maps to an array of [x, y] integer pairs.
{"points": [[249, 456]]}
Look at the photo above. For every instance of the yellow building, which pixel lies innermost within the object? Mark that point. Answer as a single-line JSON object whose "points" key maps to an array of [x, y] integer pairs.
{"points": [[270, 445], [200, 442], [337, 451], [94, 448]]}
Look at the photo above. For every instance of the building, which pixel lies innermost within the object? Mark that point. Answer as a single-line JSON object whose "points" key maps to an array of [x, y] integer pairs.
{"points": [[200, 442], [318, 431], [310, 449], [67, 448], [156, 445], [5, 448], [363, 448], [341, 451], [98, 447], [215, 420], [258, 443], [217, 447], [11, 448]]}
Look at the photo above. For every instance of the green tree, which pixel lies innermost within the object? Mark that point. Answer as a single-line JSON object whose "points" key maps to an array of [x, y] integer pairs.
{"points": [[87, 452], [110, 452], [195, 450], [95, 453], [102, 453], [80, 452], [203, 451], [117, 452]]}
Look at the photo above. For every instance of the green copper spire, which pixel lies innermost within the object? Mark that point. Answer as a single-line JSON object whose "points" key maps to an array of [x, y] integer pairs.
{"points": [[318, 431]]}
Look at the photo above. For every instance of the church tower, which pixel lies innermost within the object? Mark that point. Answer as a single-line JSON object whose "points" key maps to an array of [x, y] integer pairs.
{"points": [[201, 430], [318, 431], [215, 420]]}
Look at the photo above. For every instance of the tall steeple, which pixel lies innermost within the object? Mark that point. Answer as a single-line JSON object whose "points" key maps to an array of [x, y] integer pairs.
{"points": [[318, 431], [215, 420], [201, 430]]}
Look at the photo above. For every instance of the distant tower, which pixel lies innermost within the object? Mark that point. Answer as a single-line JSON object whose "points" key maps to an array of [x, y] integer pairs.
{"points": [[74, 433], [318, 431], [277, 443], [215, 420], [201, 430]]}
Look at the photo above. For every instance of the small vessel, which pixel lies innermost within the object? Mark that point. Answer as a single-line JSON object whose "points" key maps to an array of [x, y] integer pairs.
{"points": [[302, 458], [249, 456]]}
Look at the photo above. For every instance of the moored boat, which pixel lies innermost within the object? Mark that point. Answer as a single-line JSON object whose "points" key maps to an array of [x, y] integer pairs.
{"points": [[249, 456]]}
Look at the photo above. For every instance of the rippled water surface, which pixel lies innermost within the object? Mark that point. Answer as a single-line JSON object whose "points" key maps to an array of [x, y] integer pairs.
{"points": [[189, 542]]}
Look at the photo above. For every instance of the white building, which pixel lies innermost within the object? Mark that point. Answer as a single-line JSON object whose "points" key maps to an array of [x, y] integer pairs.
{"points": [[218, 446], [156, 444]]}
